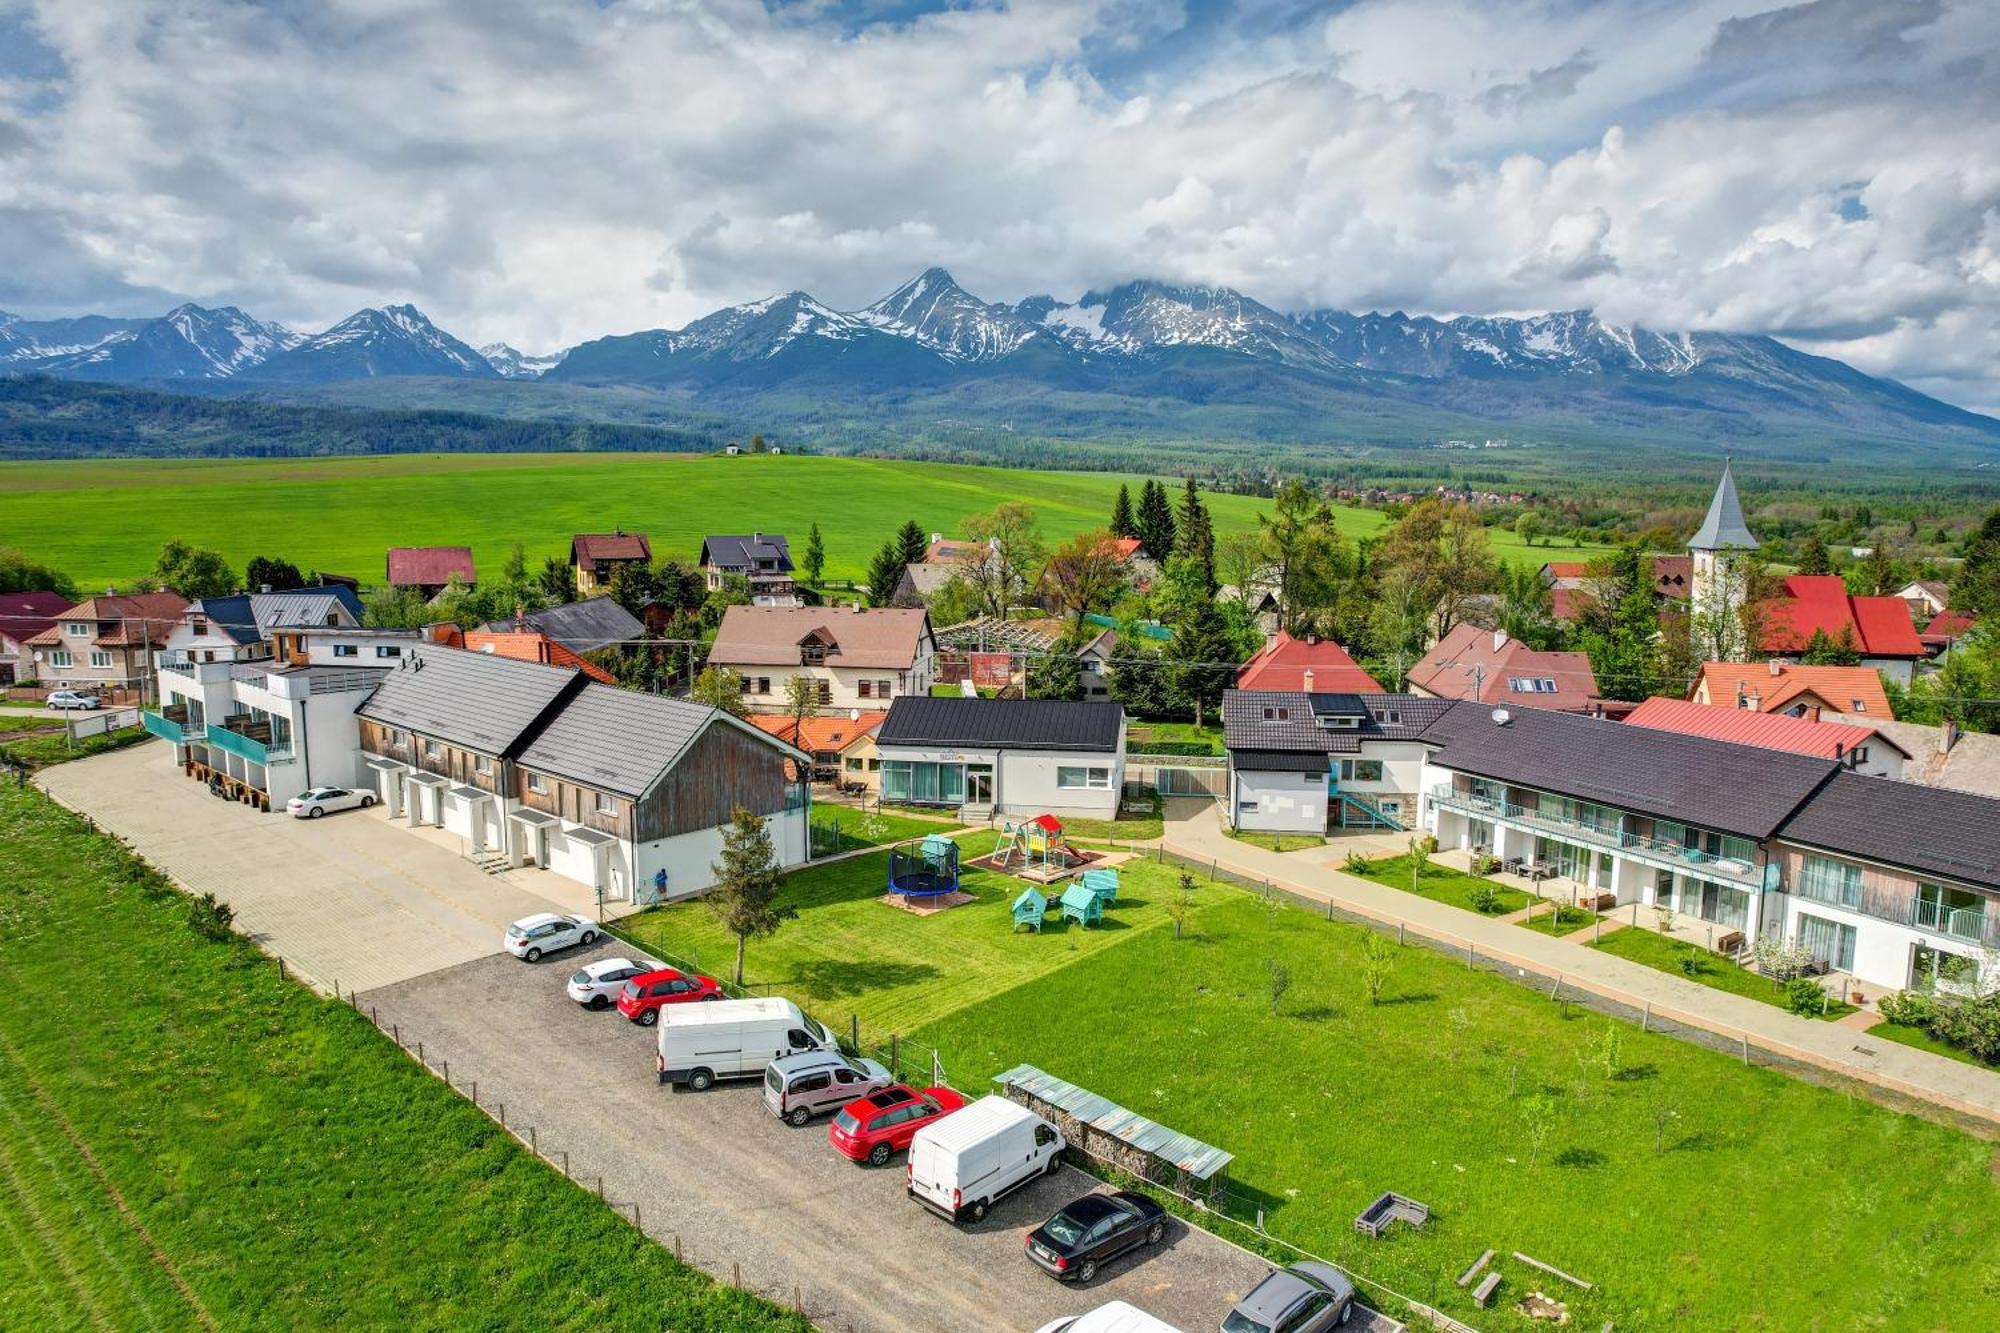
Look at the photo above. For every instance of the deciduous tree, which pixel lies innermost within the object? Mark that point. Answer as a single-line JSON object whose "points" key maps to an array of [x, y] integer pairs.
{"points": [[1085, 574], [278, 575], [194, 572], [1014, 539], [718, 687]]}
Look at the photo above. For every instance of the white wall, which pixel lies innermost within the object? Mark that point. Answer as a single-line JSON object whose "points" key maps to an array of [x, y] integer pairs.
{"points": [[1024, 783], [1278, 802], [688, 858], [1898, 669]]}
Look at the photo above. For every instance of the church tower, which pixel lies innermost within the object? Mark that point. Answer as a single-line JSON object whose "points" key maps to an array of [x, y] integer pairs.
{"points": [[1719, 582]]}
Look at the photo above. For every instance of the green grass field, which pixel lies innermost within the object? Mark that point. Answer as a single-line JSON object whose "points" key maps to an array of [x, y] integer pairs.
{"points": [[1904, 1035], [1558, 919], [1666, 954], [1442, 883], [201, 1140], [1752, 1201], [103, 522]]}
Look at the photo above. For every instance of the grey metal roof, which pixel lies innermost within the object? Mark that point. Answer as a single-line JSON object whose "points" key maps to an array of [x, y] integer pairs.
{"points": [[1277, 761], [477, 700], [303, 607], [616, 740], [1002, 724], [1244, 726], [1931, 830], [1738, 789], [1724, 528], [1198, 1159], [582, 627]]}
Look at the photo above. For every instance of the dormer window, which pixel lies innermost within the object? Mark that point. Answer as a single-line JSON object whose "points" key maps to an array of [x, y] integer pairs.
{"points": [[1531, 684], [813, 653], [77, 629]]}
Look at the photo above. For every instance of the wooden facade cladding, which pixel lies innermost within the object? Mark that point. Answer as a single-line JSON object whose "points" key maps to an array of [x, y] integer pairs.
{"points": [[577, 804], [725, 768], [434, 756]]}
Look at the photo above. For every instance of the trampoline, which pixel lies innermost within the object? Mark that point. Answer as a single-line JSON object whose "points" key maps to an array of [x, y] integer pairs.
{"points": [[928, 870]]}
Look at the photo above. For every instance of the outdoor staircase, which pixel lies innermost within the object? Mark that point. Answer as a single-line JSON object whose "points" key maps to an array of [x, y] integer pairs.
{"points": [[490, 860], [1377, 818]]}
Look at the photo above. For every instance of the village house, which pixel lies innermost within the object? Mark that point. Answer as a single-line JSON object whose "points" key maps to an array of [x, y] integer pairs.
{"points": [[1925, 598], [762, 559], [1487, 666], [1861, 746], [1787, 687], [857, 658], [1004, 756], [1570, 591], [588, 626], [105, 644], [1309, 665], [842, 745], [523, 645], [1317, 762], [428, 570], [23, 615], [598, 556]]}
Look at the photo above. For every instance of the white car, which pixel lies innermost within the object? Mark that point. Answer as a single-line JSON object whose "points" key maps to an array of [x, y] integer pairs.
{"points": [[71, 699], [596, 985], [545, 932], [312, 804]]}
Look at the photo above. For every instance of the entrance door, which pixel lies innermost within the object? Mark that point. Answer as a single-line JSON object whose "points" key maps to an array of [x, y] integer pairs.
{"points": [[979, 784]]}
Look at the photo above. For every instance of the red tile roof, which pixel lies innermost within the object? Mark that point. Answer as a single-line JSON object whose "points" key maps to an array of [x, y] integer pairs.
{"points": [[1769, 731], [23, 615], [1673, 575], [1282, 664], [528, 646], [834, 731], [428, 566], [1781, 686], [609, 546], [1568, 604], [1486, 665], [1876, 626], [1946, 628], [1567, 569]]}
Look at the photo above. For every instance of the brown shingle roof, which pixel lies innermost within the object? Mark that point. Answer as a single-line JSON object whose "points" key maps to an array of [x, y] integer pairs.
{"points": [[610, 546], [771, 635], [428, 566], [132, 619], [1483, 664], [23, 615]]}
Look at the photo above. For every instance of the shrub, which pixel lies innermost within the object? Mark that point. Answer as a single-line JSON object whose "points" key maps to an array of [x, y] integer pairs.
{"points": [[1356, 863], [1171, 747], [1485, 899], [210, 917], [1805, 996], [1691, 964], [1430, 844], [1485, 863], [1908, 1008]]}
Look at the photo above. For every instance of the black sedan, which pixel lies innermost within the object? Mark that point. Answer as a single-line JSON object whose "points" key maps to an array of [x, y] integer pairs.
{"points": [[1094, 1230]]}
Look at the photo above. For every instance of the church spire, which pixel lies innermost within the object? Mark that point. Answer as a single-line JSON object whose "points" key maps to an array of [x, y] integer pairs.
{"points": [[1724, 528]]}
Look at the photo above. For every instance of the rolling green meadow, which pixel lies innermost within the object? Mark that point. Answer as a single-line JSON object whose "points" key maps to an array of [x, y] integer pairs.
{"points": [[103, 521]]}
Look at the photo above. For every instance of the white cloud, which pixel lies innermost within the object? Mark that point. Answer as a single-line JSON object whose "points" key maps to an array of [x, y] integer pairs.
{"points": [[544, 173]]}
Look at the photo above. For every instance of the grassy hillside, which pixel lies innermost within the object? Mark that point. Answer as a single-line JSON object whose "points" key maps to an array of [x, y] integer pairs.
{"points": [[103, 521]]}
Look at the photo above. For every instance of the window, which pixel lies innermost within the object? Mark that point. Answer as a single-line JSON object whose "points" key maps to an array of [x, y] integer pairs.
{"points": [[825, 693], [1361, 770], [1829, 881], [1828, 941], [100, 659], [864, 687], [535, 784], [854, 764], [882, 689], [59, 657], [605, 803], [393, 736], [77, 629], [1078, 778], [198, 625], [430, 749], [812, 654], [346, 650], [1247, 806], [1531, 684], [482, 765], [1313, 779], [1860, 705], [763, 684], [388, 650]]}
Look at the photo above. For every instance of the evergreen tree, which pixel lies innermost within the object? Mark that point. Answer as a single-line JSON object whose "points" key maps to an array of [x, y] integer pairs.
{"points": [[1822, 649], [558, 581], [1156, 521], [747, 881], [1056, 674], [1139, 680], [815, 557], [1622, 630], [885, 571], [1977, 587], [1122, 522], [269, 572], [1813, 558], [1200, 662], [910, 537], [1195, 535]]}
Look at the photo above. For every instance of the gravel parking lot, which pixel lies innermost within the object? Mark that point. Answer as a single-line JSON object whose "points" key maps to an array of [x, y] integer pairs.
{"points": [[742, 1191]]}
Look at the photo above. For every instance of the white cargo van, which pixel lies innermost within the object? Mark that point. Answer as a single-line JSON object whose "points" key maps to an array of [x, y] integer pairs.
{"points": [[700, 1043], [1115, 1317], [964, 1162]]}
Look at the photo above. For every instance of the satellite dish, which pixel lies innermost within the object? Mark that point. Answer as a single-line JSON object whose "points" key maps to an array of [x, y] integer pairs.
{"points": [[854, 715], [1501, 717]]}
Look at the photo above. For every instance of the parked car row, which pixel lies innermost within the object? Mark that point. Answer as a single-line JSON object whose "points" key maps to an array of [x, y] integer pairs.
{"points": [[962, 1158]]}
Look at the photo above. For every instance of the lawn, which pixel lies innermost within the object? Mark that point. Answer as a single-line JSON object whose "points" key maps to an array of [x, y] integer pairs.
{"points": [[1766, 1202], [16, 723], [54, 748], [1442, 883], [1664, 953], [1904, 1035], [848, 953], [838, 828], [1277, 842], [220, 1144], [104, 521], [1558, 919], [1147, 733]]}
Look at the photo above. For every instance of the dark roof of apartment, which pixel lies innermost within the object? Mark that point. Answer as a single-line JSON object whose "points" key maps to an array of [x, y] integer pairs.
{"points": [[581, 627], [1294, 726], [741, 552], [1931, 830], [1733, 788], [619, 741], [1278, 761], [475, 700], [1002, 724]]}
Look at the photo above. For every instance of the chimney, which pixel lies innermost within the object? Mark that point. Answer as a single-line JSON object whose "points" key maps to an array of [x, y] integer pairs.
{"points": [[1775, 667], [1308, 681], [263, 587], [1754, 703], [1947, 735], [1812, 713], [1499, 639]]}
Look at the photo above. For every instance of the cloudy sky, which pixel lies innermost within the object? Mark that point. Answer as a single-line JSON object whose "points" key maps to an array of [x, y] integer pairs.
{"points": [[542, 171]]}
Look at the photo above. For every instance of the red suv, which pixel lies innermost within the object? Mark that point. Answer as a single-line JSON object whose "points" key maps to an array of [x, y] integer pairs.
{"points": [[643, 995], [880, 1125]]}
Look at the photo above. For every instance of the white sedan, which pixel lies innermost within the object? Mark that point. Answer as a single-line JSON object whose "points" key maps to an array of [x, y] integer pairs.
{"points": [[596, 985], [545, 932], [312, 804], [71, 699]]}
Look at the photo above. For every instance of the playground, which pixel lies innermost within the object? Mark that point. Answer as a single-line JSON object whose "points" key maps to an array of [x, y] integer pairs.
{"points": [[1039, 851], [924, 877]]}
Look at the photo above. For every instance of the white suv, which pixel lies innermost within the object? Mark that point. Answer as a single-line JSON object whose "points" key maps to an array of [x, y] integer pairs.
{"points": [[546, 932]]}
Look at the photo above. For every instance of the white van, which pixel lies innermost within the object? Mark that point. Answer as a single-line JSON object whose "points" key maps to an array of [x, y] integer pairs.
{"points": [[963, 1163], [700, 1043], [1112, 1317]]}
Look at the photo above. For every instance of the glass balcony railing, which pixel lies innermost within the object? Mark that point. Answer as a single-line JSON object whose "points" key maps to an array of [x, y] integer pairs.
{"points": [[1657, 850], [171, 724], [249, 740]]}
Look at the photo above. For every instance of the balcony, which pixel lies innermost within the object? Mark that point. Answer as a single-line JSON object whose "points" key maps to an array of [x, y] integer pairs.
{"points": [[249, 740], [172, 723], [1654, 851], [1965, 923]]}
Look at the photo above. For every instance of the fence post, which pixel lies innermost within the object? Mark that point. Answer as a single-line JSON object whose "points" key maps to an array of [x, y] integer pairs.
{"points": [[1646, 1017], [533, 1146], [281, 969], [1746, 1048], [565, 1163], [854, 1031], [895, 1057], [420, 1056], [447, 1072]]}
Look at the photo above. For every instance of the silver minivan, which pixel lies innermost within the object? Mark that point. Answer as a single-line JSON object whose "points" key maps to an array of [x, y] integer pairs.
{"points": [[799, 1087]]}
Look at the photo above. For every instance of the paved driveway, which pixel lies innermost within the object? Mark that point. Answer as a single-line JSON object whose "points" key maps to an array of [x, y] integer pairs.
{"points": [[740, 1188], [352, 897]]}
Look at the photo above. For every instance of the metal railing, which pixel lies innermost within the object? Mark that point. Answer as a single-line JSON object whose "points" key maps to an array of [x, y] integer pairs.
{"points": [[1967, 923], [1673, 855]]}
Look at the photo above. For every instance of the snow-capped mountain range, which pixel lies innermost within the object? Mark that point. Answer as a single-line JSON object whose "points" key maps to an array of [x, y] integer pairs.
{"points": [[1143, 341]]}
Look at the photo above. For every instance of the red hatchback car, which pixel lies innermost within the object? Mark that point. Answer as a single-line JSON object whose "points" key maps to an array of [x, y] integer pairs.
{"points": [[643, 995], [880, 1125]]}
